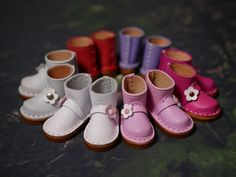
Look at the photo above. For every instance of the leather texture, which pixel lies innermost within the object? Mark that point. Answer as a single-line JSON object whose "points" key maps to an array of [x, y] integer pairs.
{"points": [[103, 127], [192, 97], [130, 45], [178, 56], [74, 111], [32, 85], [105, 42], [85, 50], [40, 107], [135, 125], [153, 47], [162, 106]]}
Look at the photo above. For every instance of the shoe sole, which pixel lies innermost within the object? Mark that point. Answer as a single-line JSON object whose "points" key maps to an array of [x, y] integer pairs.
{"points": [[101, 148], [203, 118], [138, 146], [67, 137], [32, 122], [171, 134]]}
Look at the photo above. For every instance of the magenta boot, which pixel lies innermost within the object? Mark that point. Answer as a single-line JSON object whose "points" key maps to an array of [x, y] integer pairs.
{"points": [[175, 55], [136, 128], [163, 107], [194, 100]]}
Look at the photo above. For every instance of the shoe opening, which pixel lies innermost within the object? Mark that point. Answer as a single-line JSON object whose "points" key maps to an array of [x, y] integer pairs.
{"points": [[59, 72], [102, 35], [159, 41], [132, 31], [178, 55], [183, 70], [134, 84], [59, 55], [160, 80]]}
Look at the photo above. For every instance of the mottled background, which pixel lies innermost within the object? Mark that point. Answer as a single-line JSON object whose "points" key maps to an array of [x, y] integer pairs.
{"points": [[206, 29]]}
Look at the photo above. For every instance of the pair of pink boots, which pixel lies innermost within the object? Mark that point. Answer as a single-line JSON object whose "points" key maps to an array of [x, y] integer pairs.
{"points": [[194, 91], [153, 95]]}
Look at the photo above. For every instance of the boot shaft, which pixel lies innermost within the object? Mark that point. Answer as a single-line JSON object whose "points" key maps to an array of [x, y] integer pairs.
{"points": [[173, 55], [104, 91], [159, 85], [130, 44], [134, 89], [77, 88], [59, 57], [153, 47], [86, 54], [57, 75]]}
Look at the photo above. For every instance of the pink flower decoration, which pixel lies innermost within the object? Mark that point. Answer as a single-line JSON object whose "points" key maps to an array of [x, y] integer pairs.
{"points": [[127, 111], [111, 112]]}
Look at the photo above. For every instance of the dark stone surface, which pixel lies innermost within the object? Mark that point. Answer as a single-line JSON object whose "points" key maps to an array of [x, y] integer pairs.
{"points": [[206, 29]]}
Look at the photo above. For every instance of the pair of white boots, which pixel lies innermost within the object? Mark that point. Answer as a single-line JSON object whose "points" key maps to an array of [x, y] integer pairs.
{"points": [[69, 100]]}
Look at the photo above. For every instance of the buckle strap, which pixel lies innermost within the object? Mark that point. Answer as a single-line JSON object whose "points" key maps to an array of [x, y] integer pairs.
{"points": [[108, 110], [75, 107], [130, 109], [164, 103]]}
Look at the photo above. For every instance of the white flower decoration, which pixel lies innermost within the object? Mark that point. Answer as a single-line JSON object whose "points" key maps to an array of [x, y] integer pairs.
{"points": [[51, 97], [176, 100], [127, 111], [191, 94], [111, 112]]}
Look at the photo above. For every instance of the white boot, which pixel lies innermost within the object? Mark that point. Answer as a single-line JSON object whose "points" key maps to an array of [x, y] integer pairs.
{"points": [[103, 128], [44, 105], [74, 111], [34, 84]]}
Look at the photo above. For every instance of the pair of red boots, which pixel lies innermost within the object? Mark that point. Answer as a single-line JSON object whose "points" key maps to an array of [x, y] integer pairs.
{"points": [[194, 92], [95, 53]]}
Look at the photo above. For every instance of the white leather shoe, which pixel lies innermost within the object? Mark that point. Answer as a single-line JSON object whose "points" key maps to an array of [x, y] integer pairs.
{"points": [[102, 130], [32, 85], [44, 105], [74, 111]]}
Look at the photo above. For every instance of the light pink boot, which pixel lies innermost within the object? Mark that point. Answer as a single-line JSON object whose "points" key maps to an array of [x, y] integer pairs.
{"points": [[163, 107], [136, 127]]}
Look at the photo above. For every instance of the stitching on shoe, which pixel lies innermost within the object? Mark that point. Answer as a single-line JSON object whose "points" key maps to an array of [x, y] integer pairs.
{"points": [[203, 114], [36, 116], [174, 129], [138, 139], [101, 143]]}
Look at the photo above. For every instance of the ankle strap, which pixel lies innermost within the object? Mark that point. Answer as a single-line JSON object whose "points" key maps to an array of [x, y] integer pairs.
{"points": [[130, 109], [74, 107], [164, 103], [108, 110]]}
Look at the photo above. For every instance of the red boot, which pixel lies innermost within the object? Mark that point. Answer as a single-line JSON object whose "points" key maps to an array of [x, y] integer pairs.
{"points": [[86, 55], [106, 50]]}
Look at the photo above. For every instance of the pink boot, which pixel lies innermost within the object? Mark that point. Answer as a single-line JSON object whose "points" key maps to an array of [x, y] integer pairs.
{"points": [[175, 55], [162, 106], [136, 127], [194, 100]]}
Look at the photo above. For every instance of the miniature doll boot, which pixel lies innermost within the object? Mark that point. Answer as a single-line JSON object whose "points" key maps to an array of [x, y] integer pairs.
{"points": [[34, 84], [194, 100], [37, 109], [178, 56], [135, 126], [130, 45], [153, 47], [74, 111], [162, 106], [84, 48], [102, 130], [105, 44]]}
